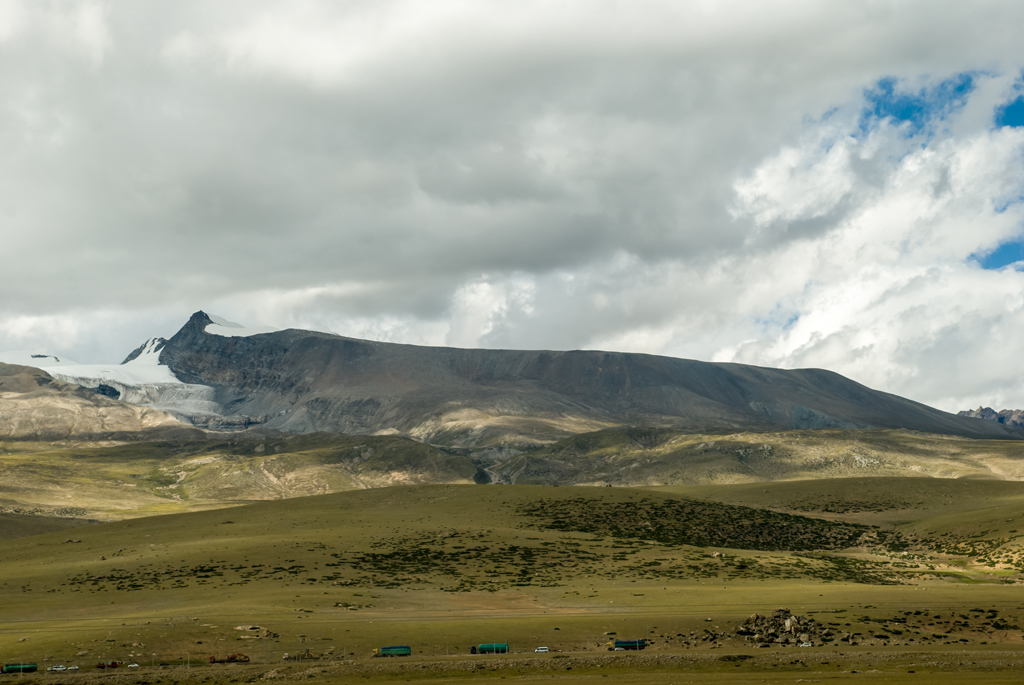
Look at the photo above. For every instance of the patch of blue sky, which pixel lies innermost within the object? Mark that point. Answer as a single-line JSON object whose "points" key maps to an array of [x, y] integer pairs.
{"points": [[777, 319], [1011, 114], [1008, 253], [1004, 204], [914, 110]]}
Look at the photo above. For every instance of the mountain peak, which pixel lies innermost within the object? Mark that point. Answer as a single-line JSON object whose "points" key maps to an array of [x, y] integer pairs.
{"points": [[199, 321], [150, 347]]}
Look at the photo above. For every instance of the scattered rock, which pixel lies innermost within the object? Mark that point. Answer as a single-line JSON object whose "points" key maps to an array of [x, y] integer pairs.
{"points": [[781, 628]]}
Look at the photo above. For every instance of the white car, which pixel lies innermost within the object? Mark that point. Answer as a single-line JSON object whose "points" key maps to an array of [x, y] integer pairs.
{"points": [[72, 668], [133, 665], [58, 667], [541, 650]]}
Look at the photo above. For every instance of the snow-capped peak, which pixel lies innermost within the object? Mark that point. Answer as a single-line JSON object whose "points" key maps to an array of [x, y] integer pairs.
{"points": [[146, 354]]}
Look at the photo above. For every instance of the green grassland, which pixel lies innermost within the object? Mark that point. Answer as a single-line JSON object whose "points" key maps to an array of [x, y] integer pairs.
{"points": [[919, 575]]}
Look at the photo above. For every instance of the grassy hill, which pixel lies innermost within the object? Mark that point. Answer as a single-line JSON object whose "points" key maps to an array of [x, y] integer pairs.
{"points": [[440, 567], [114, 479], [658, 456]]}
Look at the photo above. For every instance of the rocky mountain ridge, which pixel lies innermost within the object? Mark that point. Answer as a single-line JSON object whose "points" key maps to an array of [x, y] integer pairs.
{"points": [[1007, 417], [307, 381]]}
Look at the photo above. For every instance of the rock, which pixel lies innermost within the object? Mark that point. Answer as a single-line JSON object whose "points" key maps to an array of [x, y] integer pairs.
{"points": [[1007, 417], [782, 628], [108, 391]]}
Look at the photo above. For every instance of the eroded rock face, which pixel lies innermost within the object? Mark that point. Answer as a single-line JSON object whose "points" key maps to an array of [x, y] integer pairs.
{"points": [[34, 405], [108, 391], [306, 381]]}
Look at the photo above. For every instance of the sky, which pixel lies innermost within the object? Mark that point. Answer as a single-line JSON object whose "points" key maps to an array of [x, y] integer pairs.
{"points": [[787, 184]]}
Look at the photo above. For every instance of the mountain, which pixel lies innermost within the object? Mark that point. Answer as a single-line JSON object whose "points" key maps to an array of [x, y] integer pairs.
{"points": [[1007, 417], [304, 381]]}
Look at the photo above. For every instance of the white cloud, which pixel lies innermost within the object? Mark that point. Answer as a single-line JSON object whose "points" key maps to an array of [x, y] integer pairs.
{"points": [[13, 18], [88, 25], [885, 289], [480, 306], [75, 28], [677, 178]]}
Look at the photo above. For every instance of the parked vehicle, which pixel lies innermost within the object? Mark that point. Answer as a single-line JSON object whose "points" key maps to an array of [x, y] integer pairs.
{"points": [[20, 668], [72, 668], [626, 645], [396, 650], [107, 664], [492, 648], [541, 650], [133, 665], [57, 667]]}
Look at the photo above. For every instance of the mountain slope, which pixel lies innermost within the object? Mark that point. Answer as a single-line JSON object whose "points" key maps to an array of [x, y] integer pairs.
{"points": [[34, 405], [659, 456], [305, 381], [202, 470], [106, 479]]}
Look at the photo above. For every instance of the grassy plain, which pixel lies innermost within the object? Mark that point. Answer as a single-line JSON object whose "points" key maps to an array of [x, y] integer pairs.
{"points": [[919, 575]]}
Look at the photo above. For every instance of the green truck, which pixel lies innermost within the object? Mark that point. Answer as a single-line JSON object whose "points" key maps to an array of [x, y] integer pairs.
{"points": [[396, 650], [628, 645], [20, 668], [490, 648]]}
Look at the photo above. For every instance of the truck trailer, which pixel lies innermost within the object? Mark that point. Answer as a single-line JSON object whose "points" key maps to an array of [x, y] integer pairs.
{"points": [[396, 650], [20, 668], [492, 648]]}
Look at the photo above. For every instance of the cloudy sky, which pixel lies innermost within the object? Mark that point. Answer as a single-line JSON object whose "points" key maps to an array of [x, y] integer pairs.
{"points": [[790, 184]]}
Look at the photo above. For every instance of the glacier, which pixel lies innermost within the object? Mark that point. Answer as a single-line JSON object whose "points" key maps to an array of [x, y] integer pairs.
{"points": [[141, 380]]}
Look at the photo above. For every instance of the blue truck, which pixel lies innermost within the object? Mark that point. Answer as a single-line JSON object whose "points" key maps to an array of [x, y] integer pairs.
{"points": [[628, 645], [395, 650]]}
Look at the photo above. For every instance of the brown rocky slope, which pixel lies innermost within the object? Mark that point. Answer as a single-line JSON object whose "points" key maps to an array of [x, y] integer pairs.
{"points": [[36, 406]]}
